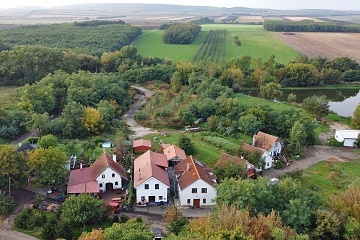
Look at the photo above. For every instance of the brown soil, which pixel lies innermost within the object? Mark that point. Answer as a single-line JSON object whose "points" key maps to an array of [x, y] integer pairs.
{"points": [[330, 45]]}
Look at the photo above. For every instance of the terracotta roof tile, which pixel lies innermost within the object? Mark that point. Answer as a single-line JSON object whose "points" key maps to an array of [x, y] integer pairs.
{"points": [[142, 172], [193, 170], [150, 156], [141, 142], [174, 151], [265, 141], [251, 148], [229, 158], [103, 162]]}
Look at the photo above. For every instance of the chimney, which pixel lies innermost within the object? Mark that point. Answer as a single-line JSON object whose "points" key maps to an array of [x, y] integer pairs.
{"points": [[187, 166], [114, 157], [81, 166], [139, 174]]}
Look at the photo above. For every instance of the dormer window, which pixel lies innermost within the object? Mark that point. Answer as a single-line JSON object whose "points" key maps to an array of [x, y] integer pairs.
{"points": [[103, 176]]}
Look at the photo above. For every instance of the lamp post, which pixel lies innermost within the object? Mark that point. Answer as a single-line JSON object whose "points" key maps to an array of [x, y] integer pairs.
{"points": [[9, 185]]}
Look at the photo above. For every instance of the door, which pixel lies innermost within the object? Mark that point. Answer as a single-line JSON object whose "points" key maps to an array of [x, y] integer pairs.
{"points": [[196, 202], [109, 186], [151, 199]]}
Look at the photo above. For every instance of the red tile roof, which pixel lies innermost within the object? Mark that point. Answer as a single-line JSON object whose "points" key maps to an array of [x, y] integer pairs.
{"points": [[251, 148], [174, 151], [150, 156], [141, 142], [265, 141], [164, 146], [229, 158], [84, 180], [192, 170], [144, 172]]}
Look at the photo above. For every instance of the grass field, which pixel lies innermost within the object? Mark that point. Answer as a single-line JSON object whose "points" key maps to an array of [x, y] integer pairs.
{"points": [[331, 177], [7, 98], [256, 42]]}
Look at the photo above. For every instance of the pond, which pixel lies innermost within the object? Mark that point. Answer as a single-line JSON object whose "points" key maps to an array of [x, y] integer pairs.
{"points": [[341, 101]]}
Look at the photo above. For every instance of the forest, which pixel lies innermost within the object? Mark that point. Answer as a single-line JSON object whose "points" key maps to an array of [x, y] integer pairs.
{"points": [[181, 33], [309, 26]]}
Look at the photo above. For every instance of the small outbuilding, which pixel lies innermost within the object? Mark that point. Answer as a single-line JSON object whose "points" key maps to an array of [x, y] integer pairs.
{"points": [[348, 137], [141, 145]]}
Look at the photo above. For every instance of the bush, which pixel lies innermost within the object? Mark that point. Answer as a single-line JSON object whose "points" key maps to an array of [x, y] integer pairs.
{"points": [[7, 204], [178, 225], [124, 218], [334, 143], [24, 221], [115, 219], [295, 174]]}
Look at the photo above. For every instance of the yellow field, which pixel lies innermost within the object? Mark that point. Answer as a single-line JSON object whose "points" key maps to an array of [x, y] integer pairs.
{"points": [[248, 19]]}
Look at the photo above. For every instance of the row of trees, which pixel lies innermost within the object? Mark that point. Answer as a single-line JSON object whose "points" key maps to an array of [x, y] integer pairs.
{"points": [[182, 33], [213, 48], [95, 39], [309, 26]]}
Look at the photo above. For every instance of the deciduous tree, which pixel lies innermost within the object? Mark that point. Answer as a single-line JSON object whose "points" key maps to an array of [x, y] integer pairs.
{"points": [[12, 167]]}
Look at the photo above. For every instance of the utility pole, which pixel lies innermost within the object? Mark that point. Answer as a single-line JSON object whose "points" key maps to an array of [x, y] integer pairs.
{"points": [[9, 185]]}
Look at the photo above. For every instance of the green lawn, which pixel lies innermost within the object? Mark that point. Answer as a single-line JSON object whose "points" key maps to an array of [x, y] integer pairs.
{"points": [[256, 42], [7, 97], [208, 146], [330, 178]]}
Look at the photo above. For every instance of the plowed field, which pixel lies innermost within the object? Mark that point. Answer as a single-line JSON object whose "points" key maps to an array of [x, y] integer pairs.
{"points": [[330, 45]]}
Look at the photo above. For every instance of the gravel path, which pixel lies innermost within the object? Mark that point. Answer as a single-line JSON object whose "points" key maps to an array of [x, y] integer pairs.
{"points": [[313, 155], [129, 116]]}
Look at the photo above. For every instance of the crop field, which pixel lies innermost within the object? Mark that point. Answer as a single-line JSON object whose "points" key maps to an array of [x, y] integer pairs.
{"points": [[256, 42], [303, 19], [330, 45], [331, 177], [248, 19], [213, 47]]}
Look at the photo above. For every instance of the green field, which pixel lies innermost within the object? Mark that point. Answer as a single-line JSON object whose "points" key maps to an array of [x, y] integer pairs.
{"points": [[331, 177], [256, 42], [7, 98]]}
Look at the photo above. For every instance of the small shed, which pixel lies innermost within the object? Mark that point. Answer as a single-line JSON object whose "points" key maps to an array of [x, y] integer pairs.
{"points": [[349, 137], [141, 145]]}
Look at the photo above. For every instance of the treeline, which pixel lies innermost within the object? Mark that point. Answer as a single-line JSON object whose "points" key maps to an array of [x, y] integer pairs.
{"points": [[182, 33], [97, 23], [94, 39], [309, 26]]}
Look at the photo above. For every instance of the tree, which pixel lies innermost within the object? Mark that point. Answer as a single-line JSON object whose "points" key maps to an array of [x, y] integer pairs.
{"points": [[95, 234], [186, 144], [107, 112], [92, 120], [297, 139], [230, 169], [356, 118], [7, 204], [130, 230], [48, 165], [270, 91], [249, 124], [83, 209], [12, 167], [48, 141], [72, 115], [318, 106], [40, 123]]}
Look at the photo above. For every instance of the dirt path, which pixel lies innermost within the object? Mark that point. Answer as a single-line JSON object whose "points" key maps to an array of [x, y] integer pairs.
{"points": [[313, 155], [140, 131]]}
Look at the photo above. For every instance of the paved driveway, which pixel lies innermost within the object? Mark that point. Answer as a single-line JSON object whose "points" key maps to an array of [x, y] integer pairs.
{"points": [[313, 155]]}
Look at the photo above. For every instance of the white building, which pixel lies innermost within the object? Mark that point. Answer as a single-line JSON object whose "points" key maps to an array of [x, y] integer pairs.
{"points": [[103, 175], [349, 137], [196, 183], [151, 179]]}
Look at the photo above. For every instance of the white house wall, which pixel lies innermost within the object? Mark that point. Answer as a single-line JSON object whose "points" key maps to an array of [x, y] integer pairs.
{"points": [[158, 193], [186, 194], [339, 137], [107, 177], [349, 142]]}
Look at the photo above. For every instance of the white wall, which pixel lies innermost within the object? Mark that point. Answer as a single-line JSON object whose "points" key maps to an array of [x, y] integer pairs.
{"points": [[186, 193], [349, 142], [108, 178], [338, 136], [142, 192]]}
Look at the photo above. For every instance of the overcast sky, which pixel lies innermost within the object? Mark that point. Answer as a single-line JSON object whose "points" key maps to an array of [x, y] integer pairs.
{"points": [[274, 4]]}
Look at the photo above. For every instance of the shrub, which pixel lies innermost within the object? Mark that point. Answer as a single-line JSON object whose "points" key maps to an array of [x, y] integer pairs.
{"points": [[124, 218], [6, 204], [115, 219], [334, 143], [24, 221]]}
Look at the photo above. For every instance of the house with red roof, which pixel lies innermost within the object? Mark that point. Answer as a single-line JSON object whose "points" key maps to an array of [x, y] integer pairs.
{"points": [[104, 174], [174, 154], [151, 179], [141, 145], [196, 183]]}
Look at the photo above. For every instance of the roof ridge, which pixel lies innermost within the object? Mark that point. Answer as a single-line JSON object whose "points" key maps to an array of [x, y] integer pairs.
{"points": [[195, 165]]}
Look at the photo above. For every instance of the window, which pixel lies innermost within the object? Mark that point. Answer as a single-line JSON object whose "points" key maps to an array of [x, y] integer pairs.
{"points": [[103, 176], [100, 185], [156, 186], [116, 183], [194, 190], [146, 186], [188, 201], [204, 200], [113, 175], [268, 164], [160, 197], [204, 190]]}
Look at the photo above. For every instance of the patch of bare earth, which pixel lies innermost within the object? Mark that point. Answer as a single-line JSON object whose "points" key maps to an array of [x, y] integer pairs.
{"points": [[330, 45]]}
